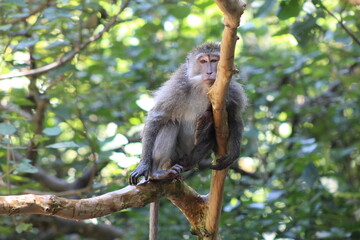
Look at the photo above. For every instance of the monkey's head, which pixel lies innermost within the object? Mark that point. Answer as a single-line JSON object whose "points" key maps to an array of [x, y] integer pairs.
{"points": [[202, 63]]}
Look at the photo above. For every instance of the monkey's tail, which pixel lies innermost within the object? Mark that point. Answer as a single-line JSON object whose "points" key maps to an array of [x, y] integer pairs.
{"points": [[154, 219]]}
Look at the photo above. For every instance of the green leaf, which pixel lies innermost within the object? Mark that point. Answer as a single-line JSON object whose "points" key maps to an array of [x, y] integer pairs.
{"points": [[27, 43], [310, 175], [57, 43], [114, 142], [20, 3], [69, 144], [22, 227], [305, 30], [5, 28], [7, 129], [21, 101], [265, 8], [288, 9], [53, 131], [26, 167], [54, 13], [274, 195], [180, 11], [63, 111]]}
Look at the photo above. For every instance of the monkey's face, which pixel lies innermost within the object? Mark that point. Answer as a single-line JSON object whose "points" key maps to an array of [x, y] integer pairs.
{"points": [[208, 66]]}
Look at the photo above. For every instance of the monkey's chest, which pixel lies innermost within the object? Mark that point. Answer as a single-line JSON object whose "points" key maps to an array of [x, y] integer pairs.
{"points": [[186, 136], [197, 103]]}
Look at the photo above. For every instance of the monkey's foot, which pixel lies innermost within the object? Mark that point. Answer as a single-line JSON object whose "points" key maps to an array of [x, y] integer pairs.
{"points": [[169, 174]]}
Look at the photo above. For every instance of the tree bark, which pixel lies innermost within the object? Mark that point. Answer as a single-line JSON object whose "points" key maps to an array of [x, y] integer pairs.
{"points": [[184, 197], [232, 9]]}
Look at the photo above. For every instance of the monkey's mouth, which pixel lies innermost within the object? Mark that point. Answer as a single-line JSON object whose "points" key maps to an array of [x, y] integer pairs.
{"points": [[209, 81]]}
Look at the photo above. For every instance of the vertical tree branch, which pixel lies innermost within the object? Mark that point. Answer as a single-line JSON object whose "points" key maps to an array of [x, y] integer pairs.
{"points": [[233, 9]]}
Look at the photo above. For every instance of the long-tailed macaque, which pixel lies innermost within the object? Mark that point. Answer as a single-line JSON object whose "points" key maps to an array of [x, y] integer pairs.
{"points": [[179, 129]]}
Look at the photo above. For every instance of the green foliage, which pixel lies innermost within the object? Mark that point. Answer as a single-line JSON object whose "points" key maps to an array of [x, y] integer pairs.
{"points": [[300, 68]]}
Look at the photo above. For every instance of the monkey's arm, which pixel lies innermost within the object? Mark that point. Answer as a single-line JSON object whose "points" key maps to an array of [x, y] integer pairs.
{"points": [[154, 124], [236, 129]]}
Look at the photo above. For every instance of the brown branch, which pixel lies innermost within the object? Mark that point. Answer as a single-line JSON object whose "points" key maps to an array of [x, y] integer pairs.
{"points": [[193, 205], [60, 185], [185, 198], [69, 56], [13, 108], [41, 103], [233, 9], [33, 12], [51, 228]]}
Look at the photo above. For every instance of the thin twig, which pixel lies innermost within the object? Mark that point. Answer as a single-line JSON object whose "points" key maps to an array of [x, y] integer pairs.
{"points": [[342, 25], [13, 108]]}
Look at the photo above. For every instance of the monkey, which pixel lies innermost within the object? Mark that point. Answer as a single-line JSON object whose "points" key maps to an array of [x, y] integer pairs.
{"points": [[179, 130]]}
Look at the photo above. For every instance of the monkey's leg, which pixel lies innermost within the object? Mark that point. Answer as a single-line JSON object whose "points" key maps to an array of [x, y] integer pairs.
{"points": [[164, 151]]}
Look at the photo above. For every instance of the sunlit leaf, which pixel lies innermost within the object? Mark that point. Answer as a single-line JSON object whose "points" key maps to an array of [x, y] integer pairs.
{"points": [[57, 44], [7, 129], [53, 131], [274, 195], [113, 142], [22, 101], [27, 43], [23, 227], [5, 27], [26, 167], [70, 144]]}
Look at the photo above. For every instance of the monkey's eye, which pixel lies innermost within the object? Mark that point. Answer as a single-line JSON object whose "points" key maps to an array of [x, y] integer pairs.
{"points": [[214, 60], [202, 61]]}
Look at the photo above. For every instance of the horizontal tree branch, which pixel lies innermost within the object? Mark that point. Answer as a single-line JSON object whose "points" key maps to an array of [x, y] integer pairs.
{"points": [[60, 185], [184, 197], [13, 108]]}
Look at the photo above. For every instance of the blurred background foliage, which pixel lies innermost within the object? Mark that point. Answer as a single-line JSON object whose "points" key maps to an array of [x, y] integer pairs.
{"points": [[76, 128]]}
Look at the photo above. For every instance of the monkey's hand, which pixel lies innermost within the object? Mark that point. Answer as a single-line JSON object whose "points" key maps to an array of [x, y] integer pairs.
{"points": [[140, 170], [223, 162]]}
